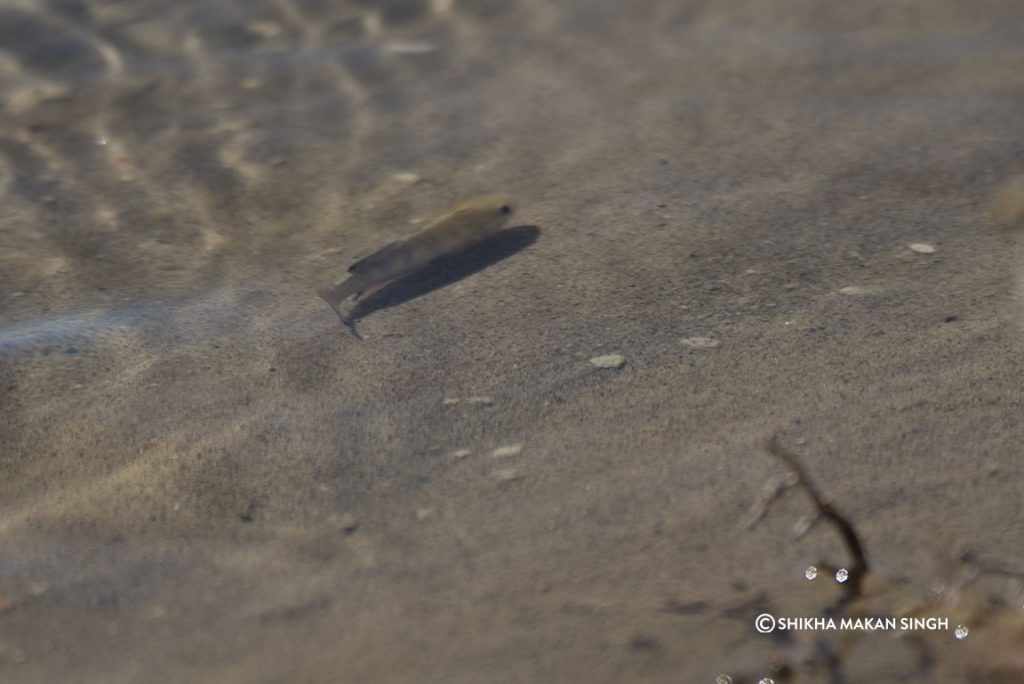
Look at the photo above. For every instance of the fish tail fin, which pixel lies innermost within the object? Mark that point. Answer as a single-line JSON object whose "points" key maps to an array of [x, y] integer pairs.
{"points": [[335, 296], [351, 325], [339, 293]]}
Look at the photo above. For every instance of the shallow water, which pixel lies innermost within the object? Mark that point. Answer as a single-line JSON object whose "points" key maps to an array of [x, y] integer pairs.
{"points": [[204, 477]]}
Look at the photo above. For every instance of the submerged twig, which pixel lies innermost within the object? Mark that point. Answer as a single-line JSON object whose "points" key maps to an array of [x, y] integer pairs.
{"points": [[853, 587]]}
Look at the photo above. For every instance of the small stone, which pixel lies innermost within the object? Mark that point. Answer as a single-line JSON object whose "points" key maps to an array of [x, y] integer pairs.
{"points": [[803, 525], [507, 475], [461, 453], [700, 342], [449, 402], [511, 450], [609, 361], [406, 177], [921, 248], [481, 401]]}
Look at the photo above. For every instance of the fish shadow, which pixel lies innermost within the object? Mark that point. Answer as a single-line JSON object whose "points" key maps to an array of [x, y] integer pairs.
{"points": [[447, 270]]}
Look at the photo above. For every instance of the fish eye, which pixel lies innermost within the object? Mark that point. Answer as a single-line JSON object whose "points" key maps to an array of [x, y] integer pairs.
{"points": [[505, 209]]}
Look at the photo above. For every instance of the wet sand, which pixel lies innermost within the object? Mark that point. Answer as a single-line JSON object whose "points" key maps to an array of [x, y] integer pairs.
{"points": [[204, 477]]}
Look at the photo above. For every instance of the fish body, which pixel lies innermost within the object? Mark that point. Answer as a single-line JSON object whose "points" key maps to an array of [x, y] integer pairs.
{"points": [[463, 225]]}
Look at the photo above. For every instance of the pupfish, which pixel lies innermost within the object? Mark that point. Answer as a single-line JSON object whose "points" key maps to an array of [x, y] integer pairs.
{"points": [[465, 224]]}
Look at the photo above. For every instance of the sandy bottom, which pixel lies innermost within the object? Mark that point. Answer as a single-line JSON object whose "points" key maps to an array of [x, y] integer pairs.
{"points": [[780, 215]]}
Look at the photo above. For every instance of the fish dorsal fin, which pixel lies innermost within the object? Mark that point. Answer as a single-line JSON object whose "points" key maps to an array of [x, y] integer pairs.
{"points": [[378, 257]]}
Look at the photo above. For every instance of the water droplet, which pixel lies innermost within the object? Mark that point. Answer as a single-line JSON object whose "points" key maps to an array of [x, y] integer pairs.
{"points": [[842, 575], [723, 679], [961, 632], [811, 572]]}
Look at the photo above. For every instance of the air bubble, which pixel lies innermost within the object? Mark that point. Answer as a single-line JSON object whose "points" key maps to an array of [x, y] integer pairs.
{"points": [[811, 572], [723, 679], [842, 575], [961, 632]]}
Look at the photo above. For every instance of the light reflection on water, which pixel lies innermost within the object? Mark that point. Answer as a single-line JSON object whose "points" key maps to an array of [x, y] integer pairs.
{"points": [[60, 333]]}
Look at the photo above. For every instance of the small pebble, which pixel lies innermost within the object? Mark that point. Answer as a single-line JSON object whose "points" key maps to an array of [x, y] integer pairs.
{"points": [[700, 342], [921, 248], [406, 177], [461, 453], [481, 401], [511, 450], [609, 361], [803, 525], [507, 475], [449, 402]]}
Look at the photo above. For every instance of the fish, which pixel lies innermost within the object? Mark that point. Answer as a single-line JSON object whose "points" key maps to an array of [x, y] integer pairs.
{"points": [[462, 226]]}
